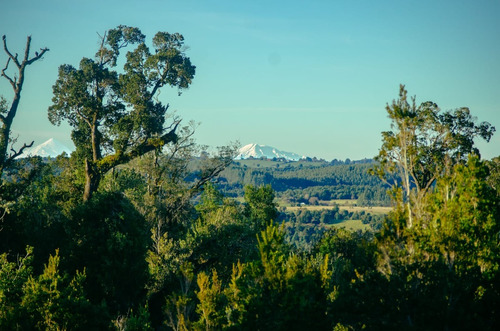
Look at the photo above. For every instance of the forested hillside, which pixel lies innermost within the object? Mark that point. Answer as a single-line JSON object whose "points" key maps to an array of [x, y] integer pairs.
{"points": [[128, 234], [307, 181]]}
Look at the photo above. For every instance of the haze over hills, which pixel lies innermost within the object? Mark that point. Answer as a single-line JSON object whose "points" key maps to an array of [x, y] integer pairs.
{"points": [[258, 151], [50, 148]]}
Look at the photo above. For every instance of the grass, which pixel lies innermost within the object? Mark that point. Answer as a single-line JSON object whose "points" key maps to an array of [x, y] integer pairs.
{"points": [[349, 205], [353, 225]]}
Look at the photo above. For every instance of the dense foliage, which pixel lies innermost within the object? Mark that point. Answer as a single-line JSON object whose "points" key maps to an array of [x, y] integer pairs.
{"points": [[158, 246]]}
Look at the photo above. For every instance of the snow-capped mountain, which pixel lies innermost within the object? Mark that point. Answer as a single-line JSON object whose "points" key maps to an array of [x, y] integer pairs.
{"points": [[50, 148], [258, 151]]}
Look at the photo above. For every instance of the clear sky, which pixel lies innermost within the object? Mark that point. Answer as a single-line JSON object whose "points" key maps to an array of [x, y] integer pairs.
{"points": [[311, 77]]}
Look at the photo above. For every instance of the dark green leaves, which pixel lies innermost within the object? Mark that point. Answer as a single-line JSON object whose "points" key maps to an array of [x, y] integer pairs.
{"points": [[116, 114], [116, 39]]}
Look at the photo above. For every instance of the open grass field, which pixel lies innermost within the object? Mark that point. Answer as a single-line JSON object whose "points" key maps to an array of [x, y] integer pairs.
{"points": [[353, 225], [376, 210], [349, 205]]}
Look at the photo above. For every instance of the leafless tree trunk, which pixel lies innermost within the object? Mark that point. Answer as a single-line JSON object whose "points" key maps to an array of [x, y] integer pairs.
{"points": [[7, 113]]}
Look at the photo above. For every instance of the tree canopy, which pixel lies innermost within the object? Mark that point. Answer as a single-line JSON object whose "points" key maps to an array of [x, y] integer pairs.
{"points": [[423, 145], [116, 115]]}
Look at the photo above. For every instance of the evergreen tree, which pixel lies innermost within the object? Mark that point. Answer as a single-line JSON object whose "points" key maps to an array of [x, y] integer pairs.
{"points": [[116, 116]]}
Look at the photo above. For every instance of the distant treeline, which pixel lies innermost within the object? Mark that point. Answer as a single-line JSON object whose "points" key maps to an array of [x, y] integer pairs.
{"points": [[304, 228], [307, 181]]}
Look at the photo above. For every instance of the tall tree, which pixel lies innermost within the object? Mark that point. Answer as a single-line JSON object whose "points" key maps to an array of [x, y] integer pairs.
{"points": [[423, 145], [7, 113], [438, 250], [116, 116], [260, 206]]}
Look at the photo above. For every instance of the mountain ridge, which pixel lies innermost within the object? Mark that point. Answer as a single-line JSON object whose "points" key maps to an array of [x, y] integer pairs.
{"points": [[258, 151]]}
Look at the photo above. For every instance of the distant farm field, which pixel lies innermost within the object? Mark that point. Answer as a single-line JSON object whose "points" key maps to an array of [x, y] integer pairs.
{"points": [[353, 225], [349, 205]]}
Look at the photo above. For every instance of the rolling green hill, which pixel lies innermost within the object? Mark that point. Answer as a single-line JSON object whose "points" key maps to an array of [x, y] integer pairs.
{"points": [[306, 182]]}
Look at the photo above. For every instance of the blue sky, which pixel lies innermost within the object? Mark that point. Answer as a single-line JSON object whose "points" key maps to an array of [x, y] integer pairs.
{"points": [[310, 77]]}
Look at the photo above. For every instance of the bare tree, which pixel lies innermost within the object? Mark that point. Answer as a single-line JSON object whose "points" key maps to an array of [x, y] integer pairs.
{"points": [[7, 113]]}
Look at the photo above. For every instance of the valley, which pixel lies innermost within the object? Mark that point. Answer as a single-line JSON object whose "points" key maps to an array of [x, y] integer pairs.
{"points": [[312, 196]]}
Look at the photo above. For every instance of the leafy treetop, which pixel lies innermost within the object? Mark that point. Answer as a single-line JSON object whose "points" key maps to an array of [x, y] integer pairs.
{"points": [[116, 116]]}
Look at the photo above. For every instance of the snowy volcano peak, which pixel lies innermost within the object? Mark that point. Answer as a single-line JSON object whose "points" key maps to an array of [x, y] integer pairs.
{"points": [[50, 148], [257, 151]]}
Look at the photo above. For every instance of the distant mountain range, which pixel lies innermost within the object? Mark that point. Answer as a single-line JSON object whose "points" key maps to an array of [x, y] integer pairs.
{"points": [[257, 151], [54, 148], [50, 148]]}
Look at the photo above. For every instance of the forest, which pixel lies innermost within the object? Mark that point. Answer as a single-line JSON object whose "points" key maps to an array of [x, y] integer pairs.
{"points": [[141, 228], [299, 182]]}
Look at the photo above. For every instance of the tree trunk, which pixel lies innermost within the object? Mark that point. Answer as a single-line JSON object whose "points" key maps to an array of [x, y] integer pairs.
{"points": [[4, 142], [92, 179]]}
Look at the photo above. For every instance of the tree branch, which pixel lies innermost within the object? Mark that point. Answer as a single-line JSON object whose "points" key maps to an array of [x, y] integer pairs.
{"points": [[149, 145], [211, 173], [19, 152], [6, 76], [159, 82], [26, 60], [37, 56], [102, 61], [9, 53], [85, 119]]}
